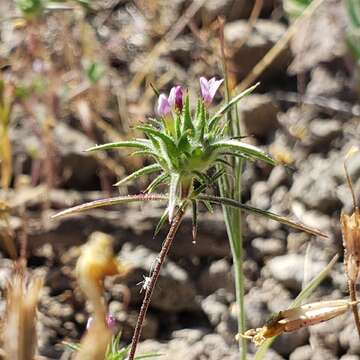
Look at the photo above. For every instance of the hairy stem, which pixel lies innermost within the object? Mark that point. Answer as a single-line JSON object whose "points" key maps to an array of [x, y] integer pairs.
{"points": [[353, 296], [154, 277]]}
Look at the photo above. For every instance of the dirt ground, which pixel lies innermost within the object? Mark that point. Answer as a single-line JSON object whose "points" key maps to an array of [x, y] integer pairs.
{"points": [[82, 77]]}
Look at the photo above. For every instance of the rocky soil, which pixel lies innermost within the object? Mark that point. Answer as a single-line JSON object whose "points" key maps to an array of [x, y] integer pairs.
{"points": [[306, 114]]}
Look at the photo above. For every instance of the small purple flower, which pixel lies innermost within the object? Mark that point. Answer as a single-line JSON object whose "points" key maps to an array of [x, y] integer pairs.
{"points": [[111, 322], [176, 97], [163, 107], [209, 88]]}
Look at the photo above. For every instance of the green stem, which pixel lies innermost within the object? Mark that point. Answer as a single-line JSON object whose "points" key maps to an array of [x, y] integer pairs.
{"points": [[232, 216], [237, 255]]}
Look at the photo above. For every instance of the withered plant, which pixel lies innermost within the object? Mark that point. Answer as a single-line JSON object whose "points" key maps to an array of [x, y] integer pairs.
{"points": [[19, 333], [350, 228]]}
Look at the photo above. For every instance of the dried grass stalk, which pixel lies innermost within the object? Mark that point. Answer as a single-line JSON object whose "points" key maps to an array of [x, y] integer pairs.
{"points": [[350, 227], [19, 326]]}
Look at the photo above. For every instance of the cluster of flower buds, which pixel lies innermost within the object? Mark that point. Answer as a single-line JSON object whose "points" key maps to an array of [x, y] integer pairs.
{"points": [[175, 100]]}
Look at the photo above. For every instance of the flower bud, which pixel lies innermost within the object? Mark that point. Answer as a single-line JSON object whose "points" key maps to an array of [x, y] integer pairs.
{"points": [[163, 107], [176, 97]]}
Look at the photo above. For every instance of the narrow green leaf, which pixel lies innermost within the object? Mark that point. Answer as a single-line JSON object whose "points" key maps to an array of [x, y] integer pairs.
{"points": [[178, 126], [161, 222], [201, 123], [136, 174], [247, 149], [171, 161], [156, 182], [283, 220], [224, 162], [184, 144], [203, 187], [353, 7], [202, 177], [173, 194], [208, 206], [194, 219], [110, 201], [145, 153], [187, 123], [304, 294], [138, 143], [198, 110], [217, 116], [168, 141]]}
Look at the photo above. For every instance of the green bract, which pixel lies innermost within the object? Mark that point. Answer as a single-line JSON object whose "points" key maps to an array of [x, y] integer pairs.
{"points": [[186, 147]]}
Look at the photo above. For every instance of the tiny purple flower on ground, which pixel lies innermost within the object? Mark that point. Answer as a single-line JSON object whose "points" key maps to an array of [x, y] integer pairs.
{"points": [[111, 322], [209, 88], [163, 107], [176, 97]]}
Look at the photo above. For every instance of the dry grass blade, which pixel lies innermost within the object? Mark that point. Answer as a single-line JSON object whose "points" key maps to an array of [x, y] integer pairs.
{"points": [[19, 326], [110, 201]]}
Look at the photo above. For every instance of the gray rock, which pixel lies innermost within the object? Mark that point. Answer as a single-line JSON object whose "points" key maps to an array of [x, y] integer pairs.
{"points": [[127, 321], [286, 343], [260, 195], [72, 145], [322, 39], [350, 357], [262, 38], [278, 176], [268, 247], [349, 339], [272, 355], [210, 347], [217, 276], [315, 185], [231, 9], [289, 269], [214, 310], [301, 353], [174, 292], [261, 302], [324, 83], [259, 115], [321, 354], [322, 131]]}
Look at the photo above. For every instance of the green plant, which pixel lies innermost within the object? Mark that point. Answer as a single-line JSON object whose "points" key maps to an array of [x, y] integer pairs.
{"points": [[191, 151], [115, 351]]}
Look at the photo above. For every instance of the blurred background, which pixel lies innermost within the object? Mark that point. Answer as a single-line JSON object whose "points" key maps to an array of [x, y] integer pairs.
{"points": [[78, 73]]}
